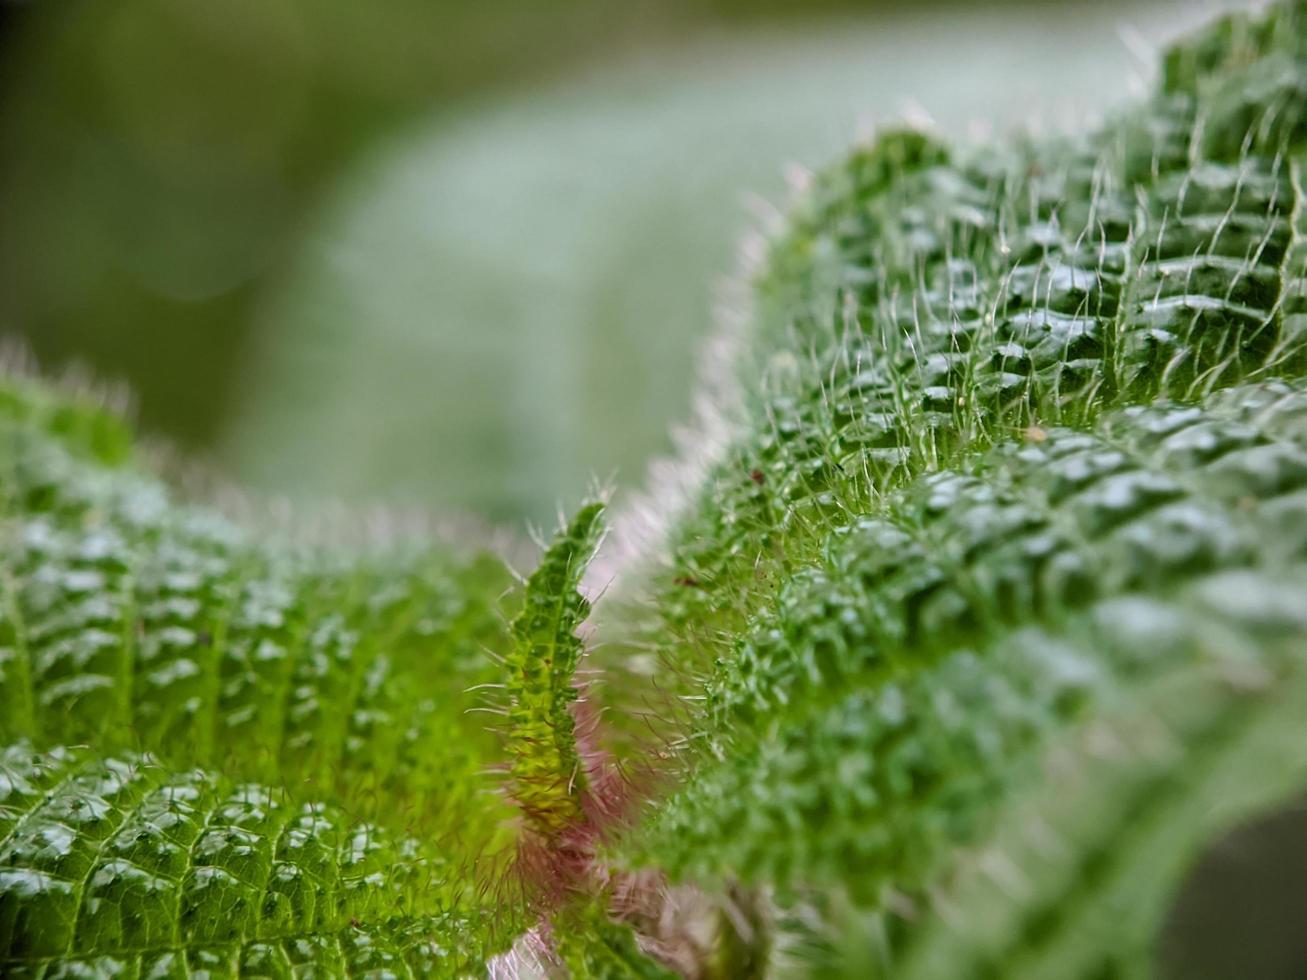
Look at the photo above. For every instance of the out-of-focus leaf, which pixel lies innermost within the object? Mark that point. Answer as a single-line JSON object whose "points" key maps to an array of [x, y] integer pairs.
{"points": [[503, 304]]}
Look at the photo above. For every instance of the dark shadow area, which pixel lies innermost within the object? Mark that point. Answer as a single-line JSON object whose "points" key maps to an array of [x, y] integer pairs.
{"points": [[1240, 914]]}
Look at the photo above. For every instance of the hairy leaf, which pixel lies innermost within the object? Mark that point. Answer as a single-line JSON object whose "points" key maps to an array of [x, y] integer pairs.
{"points": [[548, 781], [994, 607], [119, 867], [989, 619], [257, 717], [591, 945]]}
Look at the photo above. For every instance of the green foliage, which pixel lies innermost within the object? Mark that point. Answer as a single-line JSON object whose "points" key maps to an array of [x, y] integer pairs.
{"points": [[989, 619], [548, 781], [280, 766], [995, 607], [592, 945], [119, 867]]}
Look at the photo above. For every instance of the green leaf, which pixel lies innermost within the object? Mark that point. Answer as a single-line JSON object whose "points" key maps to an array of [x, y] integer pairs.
{"points": [[548, 782], [252, 714], [988, 622], [590, 944], [119, 867], [991, 620]]}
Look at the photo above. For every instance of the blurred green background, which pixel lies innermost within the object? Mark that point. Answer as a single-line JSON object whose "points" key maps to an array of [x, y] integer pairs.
{"points": [[458, 255]]}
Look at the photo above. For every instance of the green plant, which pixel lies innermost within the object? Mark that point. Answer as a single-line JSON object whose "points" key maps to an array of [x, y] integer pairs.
{"points": [[986, 619], [222, 755]]}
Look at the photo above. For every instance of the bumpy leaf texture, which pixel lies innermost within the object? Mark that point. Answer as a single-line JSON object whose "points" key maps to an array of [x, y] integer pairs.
{"points": [[993, 614], [989, 619], [277, 772], [548, 781]]}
